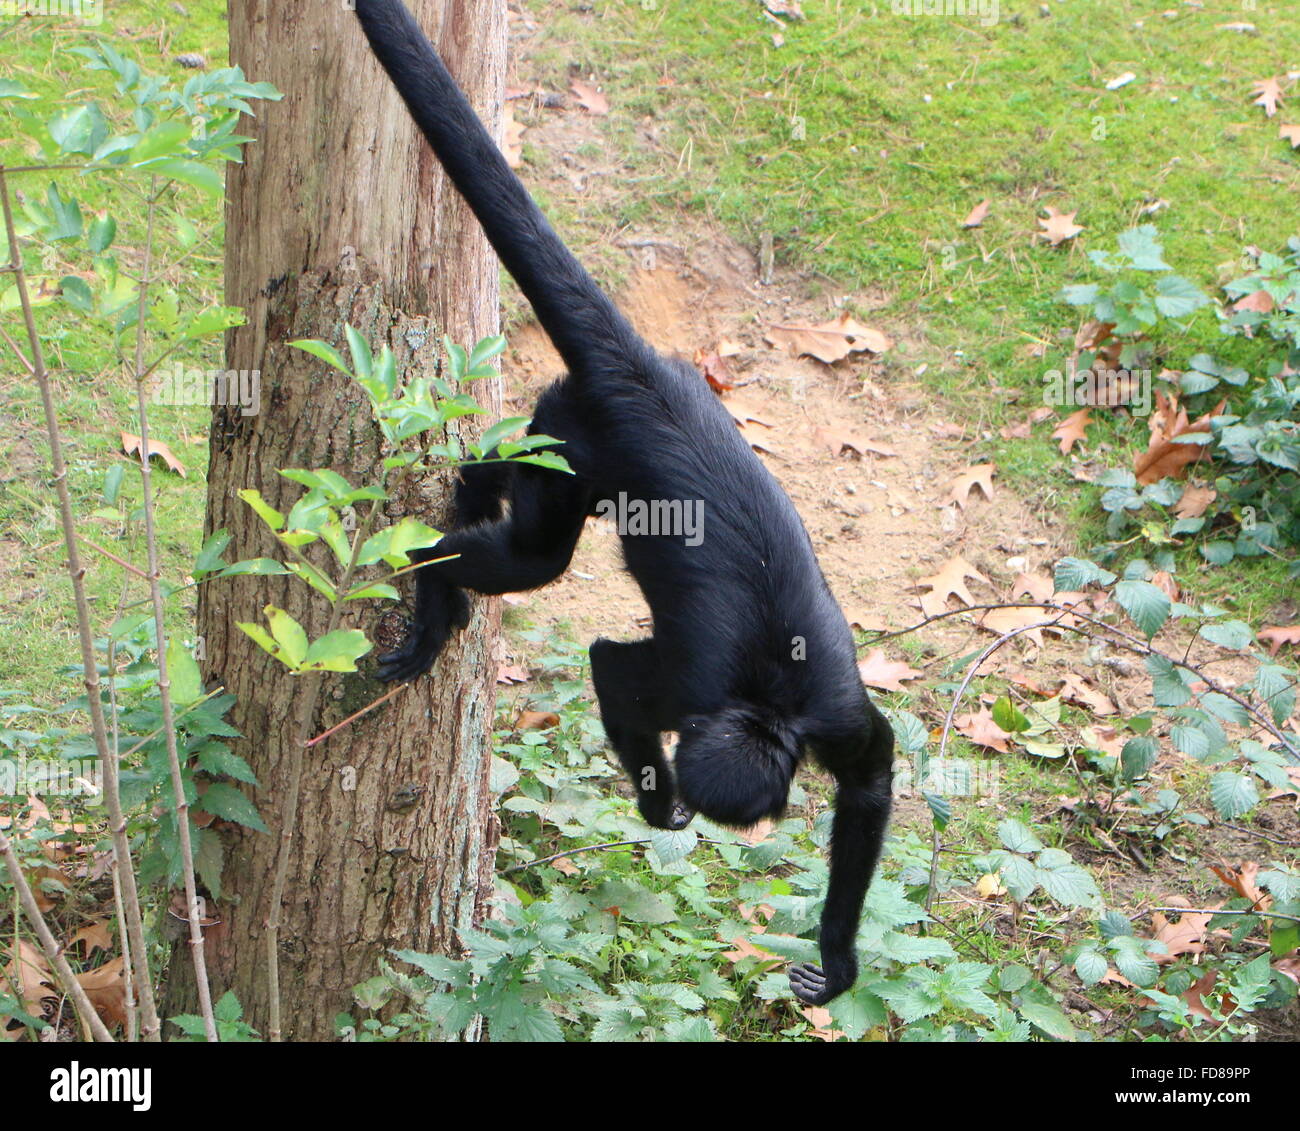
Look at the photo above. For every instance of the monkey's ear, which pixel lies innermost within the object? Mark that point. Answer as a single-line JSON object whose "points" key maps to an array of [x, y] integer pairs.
{"points": [[735, 767]]}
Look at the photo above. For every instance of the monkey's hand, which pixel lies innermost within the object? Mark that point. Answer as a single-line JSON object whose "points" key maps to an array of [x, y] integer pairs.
{"points": [[439, 610], [814, 986]]}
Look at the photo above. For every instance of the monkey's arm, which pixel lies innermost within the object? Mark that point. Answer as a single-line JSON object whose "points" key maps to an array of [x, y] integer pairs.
{"points": [[862, 769]]}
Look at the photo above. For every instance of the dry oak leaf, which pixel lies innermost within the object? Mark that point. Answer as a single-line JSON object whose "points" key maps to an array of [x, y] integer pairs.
{"points": [[867, 622], [980, 728], [886, 675], [1058, 227], [1194, 502], [1291, 134], [829, 342], [977, 215], [512, 144], [979, 475], [988, 886], [1275, 636], [743, 413], [589, 97], [105, 986], [819, 1017], [1258, 302], [1164, 581], [96, 936], [1195, 994], [715, 369], [950, 581], [536, 720], [1076, 690], [1242, 881], [1035, 586], [1187, 936], [1072, 430], [28, 973], [512, 673], [1007, 620], [1165, 457], [131, 446], [837, 442], [1268, 94]]}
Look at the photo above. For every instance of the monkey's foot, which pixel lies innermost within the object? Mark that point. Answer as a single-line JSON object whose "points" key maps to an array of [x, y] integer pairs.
{"points": [[677, 817], [810, 985]]}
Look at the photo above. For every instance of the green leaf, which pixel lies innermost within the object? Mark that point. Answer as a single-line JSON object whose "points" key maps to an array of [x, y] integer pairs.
{"points": [[1065, 881], [1008, 716], [1091, 966], [1048, 1019], [103, 229], [1078, 573], [671, 845], [189, 172], [1138, 756], [1017, 836], [288, 633], [337, 651], [76, 293], [225, 801], [1177, 298], [324, 351], [183, 673], [11, 88], [1233, 794], [169, 137], [267, 513], [1147, 604], [1233, 634]]}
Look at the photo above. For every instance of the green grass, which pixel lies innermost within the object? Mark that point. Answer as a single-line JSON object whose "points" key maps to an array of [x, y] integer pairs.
{"points": [[864, 140], [95, 395]]}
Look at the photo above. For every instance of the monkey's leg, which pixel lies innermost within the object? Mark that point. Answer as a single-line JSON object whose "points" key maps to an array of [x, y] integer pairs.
{"points": [[481, 491], [862, 799], [629, 685]]}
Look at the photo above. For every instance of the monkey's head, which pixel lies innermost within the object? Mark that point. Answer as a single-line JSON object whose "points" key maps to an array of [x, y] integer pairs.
{"points": [[736, 766]]}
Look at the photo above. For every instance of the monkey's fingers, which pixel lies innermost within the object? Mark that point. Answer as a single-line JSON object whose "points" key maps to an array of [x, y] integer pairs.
{"points": [[680, 817], [808, 984]]}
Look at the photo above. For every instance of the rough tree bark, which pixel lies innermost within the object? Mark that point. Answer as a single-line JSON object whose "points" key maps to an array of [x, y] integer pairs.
{"points": [[341, 214]]}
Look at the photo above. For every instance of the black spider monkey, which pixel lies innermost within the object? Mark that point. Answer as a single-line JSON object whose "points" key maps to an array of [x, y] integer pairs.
{"points": [[751, 661]]}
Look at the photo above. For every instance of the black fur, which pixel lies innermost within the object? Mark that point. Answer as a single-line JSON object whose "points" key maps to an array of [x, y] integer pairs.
{"points": [[751, 660]]}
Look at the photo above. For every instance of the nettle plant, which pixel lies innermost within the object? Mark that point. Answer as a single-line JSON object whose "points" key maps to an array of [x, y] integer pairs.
{"points": [[326, 511], [1252, 431]]}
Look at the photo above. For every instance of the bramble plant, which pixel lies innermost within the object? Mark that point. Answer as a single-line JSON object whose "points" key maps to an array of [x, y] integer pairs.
{"points": [[1252, 413]]}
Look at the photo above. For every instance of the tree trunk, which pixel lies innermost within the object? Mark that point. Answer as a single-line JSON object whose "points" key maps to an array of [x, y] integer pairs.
{"points": [[341, 214]]}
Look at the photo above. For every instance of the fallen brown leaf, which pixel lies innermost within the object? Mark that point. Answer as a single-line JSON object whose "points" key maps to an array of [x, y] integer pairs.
{"points": [[977, 216], [589, 97], [980, 728], [536, 720], [950, 581], [1187, 936], [1268, 94], [886, 675], [829, 342], [1291, 134], [1058, 227], [131, 446], [106, 989], [1072, 430], [1164, 457], [1194, 502], [837, 442], [1275, 636], [979, 475]]}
